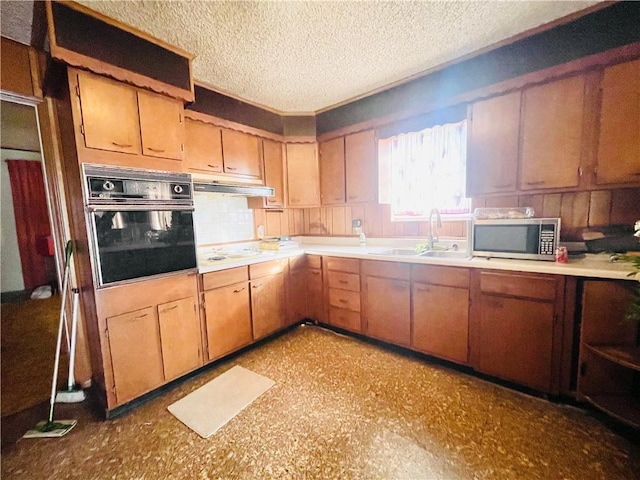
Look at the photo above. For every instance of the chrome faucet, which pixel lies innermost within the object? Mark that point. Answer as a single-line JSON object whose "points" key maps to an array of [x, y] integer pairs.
{"points": [[438, 225]]}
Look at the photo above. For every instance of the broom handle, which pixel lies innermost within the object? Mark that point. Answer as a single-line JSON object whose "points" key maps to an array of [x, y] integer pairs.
{"points": [[56, 363], [74, 333]]}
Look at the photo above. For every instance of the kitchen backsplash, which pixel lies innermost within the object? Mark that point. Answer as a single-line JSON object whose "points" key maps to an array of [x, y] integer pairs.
{"points": [[221, 218], [578, 210]]}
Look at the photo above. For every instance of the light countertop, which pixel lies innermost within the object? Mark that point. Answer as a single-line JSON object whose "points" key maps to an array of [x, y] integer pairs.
{"points": [[590, 265]]}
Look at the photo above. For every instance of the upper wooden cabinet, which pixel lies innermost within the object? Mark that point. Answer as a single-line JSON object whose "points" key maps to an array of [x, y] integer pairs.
{"points": [[618, 158], [552, 117], [273, 176], [303, 176], [109, 114], [360, 154], [492, 146], [161, 125], [241, 153], [202, 146], [332, 171], [114, 118]]}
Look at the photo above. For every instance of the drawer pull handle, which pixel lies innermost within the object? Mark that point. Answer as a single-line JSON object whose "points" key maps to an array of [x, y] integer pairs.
{"points": [[215, 167], [157, 150], [315, 273], [504, 185], [540, 182], [123, 145], [231, 168], [170, 308], [343, 281], [352, 197], [423, 289], [140, 317], [256, 286], [271, 200], [342, 300], [337, 198], [239, 290]]}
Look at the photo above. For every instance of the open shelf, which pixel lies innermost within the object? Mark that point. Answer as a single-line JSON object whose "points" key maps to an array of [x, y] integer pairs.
{"points": [[625, 355], [624, 408]]}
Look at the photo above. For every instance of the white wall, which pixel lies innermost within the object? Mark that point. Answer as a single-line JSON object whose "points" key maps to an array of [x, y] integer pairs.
{"points": [[10, 267], [221, 218]]}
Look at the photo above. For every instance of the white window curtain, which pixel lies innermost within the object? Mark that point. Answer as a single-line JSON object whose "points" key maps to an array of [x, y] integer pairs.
{"points": [[427, 170]]}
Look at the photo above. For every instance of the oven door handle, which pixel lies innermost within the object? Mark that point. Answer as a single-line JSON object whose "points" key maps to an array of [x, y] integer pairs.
{"points": [[139, 208]]}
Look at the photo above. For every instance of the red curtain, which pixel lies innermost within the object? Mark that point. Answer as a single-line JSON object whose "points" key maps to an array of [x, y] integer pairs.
{"points": [[32, 217]]}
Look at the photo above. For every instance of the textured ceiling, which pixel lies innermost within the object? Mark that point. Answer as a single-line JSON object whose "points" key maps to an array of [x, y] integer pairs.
{"points": [[305, 56]]}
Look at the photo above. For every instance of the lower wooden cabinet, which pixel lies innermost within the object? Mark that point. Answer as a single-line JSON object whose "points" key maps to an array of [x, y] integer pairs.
{"points": [[268, 297], [180, 337], [228, 318], [517, 327], [609, 364], [315, 292], [136, 353], [297, 290], [387, 301], [150, 335], [343, 293], [441, 311]]}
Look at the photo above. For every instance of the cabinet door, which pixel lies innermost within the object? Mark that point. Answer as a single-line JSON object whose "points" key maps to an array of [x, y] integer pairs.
{"points": [[136, 355], [619, 142], [516, 340], [228, 319], [441, 321], [161, 125], [267, 305], [388, 310], [315, 301], [202, 146], [332, 172], [297, 295], [273, 172], [492, 147], [303, 176], [552, 134], [180, 337], [241, 153], [109, 114], [361, 167]]}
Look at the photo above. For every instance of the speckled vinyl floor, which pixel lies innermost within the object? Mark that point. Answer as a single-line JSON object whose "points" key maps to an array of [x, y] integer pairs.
{"points": [[342, 409]]}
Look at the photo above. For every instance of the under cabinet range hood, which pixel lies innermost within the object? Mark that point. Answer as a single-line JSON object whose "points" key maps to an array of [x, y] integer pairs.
{"points": [[229, 189]]}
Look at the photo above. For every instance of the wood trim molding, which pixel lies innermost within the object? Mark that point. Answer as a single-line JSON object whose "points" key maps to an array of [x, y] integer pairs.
{"points": [[221, 122], [79, 60], [599, 60]]}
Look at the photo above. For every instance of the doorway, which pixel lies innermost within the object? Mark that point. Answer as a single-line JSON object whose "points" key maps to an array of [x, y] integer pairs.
{"points": [[29, 326]]}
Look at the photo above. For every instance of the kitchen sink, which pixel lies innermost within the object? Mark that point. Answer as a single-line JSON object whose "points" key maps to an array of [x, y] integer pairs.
{"points": [[408, 252]]}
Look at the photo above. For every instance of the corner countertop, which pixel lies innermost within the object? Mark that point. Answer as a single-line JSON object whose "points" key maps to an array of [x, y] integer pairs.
{"points": [[590, 265]]}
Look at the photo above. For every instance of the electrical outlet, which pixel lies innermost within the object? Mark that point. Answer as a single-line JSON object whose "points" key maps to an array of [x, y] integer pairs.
{"points": [[356, 223]]}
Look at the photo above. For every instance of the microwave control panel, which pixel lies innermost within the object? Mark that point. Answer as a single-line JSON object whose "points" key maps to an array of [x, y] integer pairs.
{"points": [[547, 239]]}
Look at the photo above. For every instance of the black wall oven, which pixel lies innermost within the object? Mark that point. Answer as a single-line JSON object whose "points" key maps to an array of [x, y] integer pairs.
{"points": [[141, 223]]}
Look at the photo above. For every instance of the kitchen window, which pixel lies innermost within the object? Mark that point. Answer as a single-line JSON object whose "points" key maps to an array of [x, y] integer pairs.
{"points": [[424, 170]]}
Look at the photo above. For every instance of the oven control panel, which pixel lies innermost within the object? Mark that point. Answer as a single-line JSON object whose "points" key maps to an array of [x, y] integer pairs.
{"points": [[101, 188]]}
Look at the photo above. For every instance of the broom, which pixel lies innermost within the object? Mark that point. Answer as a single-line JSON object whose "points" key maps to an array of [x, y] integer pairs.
{"points": [[51, 428]]}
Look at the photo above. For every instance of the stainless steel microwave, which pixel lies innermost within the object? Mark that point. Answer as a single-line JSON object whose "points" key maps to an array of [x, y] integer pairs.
{"points": [[523, 238]]}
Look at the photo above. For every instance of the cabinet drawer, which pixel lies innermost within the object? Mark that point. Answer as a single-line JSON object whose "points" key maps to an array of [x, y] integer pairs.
{"points": [[346, 281], [344, 299], [224, 277], [446, 276], [346, 319], [521, 285], [314, 261], [398, 271], [267, 268], [350, 265]]}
